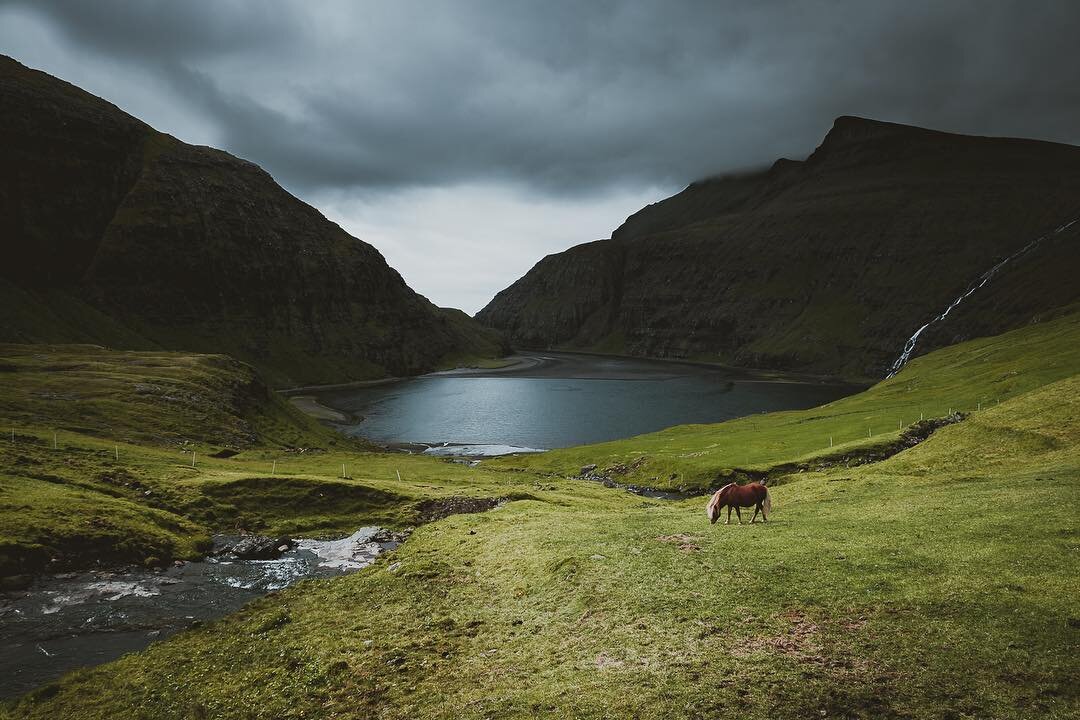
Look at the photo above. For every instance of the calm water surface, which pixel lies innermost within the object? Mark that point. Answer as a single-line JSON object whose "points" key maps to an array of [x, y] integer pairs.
{"points": [[556, 400]]}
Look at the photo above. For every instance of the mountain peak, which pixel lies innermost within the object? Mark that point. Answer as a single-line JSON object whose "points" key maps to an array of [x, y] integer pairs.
{"points": [[852, 127], [860, 139], [849, 132]]}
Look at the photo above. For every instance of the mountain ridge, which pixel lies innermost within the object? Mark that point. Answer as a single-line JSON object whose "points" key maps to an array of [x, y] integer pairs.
{"points": [[824, 265], [162, 244]]}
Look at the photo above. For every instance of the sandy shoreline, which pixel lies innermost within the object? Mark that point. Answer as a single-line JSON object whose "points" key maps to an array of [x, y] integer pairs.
{"points": [[518, 362], [583, 366], [598, 366], [310, 405], [515, 363]]}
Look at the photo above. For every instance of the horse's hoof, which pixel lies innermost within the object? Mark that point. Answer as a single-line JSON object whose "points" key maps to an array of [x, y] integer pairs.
{"points": [[727, 522]]}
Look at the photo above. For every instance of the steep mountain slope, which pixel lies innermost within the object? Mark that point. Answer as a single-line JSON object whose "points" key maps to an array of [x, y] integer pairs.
{"points": [[1037, 285], [824, 265], [116, 233]]}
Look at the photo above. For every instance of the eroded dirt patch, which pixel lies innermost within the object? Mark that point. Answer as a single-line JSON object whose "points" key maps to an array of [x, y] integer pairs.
{"points": [[686, 543], [282, 495], [802, 641], [439, 508], [912, 436], [606, 662]]}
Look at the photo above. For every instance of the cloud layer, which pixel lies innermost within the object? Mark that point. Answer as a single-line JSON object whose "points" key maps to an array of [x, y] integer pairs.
{"points": [[552, 102]]}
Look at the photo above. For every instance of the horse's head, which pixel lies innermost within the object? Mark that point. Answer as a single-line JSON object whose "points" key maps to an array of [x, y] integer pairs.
{"points": [[712, 510]]}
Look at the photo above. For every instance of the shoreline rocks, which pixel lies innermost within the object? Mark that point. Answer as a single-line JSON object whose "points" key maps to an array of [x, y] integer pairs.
{"points": [[258, 547]]}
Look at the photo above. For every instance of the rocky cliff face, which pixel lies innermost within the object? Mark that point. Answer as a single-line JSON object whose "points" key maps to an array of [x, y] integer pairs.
{"points": [[825, 265], [119, 234]]}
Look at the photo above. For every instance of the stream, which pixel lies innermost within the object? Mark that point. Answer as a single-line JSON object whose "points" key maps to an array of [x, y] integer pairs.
{"points": [[71, 620], [909, 346]]}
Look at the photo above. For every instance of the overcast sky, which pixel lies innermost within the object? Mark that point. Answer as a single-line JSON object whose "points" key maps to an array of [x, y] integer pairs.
{"points": [[466, 140]]}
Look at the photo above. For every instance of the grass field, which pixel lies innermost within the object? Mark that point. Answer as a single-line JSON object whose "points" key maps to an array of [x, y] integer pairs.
{"points": [[151, 505], [940, 583], [96, 461], [971, 376]]}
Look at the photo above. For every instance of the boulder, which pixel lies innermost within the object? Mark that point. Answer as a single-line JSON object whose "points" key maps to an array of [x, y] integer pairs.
{"points": [[385, 535], [260, 547]]}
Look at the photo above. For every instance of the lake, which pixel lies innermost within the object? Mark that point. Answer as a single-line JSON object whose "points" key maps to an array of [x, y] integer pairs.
{"points": [[553, 400]]}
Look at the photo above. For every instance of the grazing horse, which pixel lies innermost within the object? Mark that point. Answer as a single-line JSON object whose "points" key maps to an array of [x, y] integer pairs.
{"points": [[734, 495]]}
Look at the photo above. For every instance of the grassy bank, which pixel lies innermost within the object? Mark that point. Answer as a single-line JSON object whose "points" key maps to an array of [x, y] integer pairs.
{"points": [[97, 450], [160, 398], [64, 507], [938, 583], [902, 589], [973, 375]]}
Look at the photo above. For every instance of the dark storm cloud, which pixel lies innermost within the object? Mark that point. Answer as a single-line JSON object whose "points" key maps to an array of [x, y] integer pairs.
{"points": [[572, 97]]}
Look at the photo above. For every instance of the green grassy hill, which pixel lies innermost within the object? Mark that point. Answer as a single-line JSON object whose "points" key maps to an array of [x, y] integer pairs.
{"points": [[93, 440], [966, 377], [940, 582], [152, 397], [96, 461]]}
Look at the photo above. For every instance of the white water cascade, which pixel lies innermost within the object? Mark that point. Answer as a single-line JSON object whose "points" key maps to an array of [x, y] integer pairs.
{"points": [[909, 346]]}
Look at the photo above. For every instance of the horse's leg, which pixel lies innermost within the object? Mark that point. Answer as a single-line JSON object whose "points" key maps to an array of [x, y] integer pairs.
{"points": [[728, 521], [739, 514], [756, 508]]}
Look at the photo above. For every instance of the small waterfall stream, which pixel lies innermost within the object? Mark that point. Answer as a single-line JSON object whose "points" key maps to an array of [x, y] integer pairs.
{"points": [[909, 346]]}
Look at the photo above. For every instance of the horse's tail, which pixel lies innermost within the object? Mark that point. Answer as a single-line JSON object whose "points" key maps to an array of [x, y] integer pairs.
{"points": [[767, 504]]}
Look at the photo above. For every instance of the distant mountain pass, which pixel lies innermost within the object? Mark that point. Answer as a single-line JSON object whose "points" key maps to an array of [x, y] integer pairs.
{"points": [[114, 233], [826, 265]]}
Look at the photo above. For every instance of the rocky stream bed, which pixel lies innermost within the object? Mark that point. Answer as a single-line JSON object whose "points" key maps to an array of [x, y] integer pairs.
{"points": [[71, 620]]}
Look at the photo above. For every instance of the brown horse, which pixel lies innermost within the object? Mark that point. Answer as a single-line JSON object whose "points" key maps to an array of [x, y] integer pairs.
{"points": [[737, 496]]}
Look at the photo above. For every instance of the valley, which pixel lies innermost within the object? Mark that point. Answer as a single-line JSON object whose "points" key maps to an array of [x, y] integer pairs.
{"points": [[246, 471], [602, 590]]}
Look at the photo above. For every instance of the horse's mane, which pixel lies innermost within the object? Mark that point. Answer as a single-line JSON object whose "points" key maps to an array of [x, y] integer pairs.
{"points": [[721, 490]]}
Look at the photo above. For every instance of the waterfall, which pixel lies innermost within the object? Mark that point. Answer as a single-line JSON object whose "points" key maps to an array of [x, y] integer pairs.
{"points": [[909, 346]]}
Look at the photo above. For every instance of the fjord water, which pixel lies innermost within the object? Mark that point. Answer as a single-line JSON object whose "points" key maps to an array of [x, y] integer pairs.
{"points": [[553, 400]]}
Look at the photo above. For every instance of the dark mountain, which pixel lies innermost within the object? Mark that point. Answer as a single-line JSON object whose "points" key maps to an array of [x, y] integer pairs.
{"points": [[117, 234], [825, 265]]}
